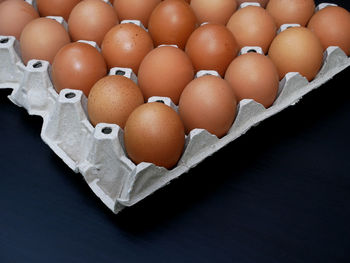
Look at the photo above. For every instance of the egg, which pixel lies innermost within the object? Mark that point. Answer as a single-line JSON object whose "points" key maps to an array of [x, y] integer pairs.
{"points": [[112, 99], [332, 27], [125, 45], [154, 133], [208, 102], [91, 20], [41, 39], [14, 15], [291, 12], [56, 7], [135, 9], [213, 11], [297, 49], [263, 3], [212, 47], [165, 71], [172, 22], [77, 66], [254, 76], [253, 26]]}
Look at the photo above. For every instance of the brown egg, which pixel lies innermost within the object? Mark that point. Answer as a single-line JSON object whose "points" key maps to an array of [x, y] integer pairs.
{"points": [[77, 66], [56, 7], [154, 133], [332, 27], [165, 71], [213, 11], [263, 3], [172, 22], [135, 9], [212, 47], [253, 76], [126, 45], [91, 20], [42, 38], [297, 49], [209, 103], [112, 99], [14, 15], [291, 12], [252, 26]]}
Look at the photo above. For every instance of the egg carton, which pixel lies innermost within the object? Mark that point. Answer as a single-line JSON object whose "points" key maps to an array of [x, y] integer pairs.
{"points": [[98, 153]]}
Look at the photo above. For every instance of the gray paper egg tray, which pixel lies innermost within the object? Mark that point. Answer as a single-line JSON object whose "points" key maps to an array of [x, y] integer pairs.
{"points": [[98, 153]]}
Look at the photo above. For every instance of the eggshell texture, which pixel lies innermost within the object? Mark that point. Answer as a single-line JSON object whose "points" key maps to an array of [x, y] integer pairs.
{"points": [[209, 103], [263, 3], [56, 7], [213, 11], [14, 15], [135, 9], [172, 22], [41, 39], [291, 12], [91, 20], [154, 133], [254, 76], [212, 47], [332, 27], [77, 66], [165, 71], [112, 99], [297, 49], [126, 45], [252, 26]]}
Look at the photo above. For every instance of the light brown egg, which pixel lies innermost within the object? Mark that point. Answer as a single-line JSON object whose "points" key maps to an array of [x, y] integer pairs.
{"points": [[56, 7], [125, 45], [252, 26], [253, 76], [154, 133], [14, 15], [209, 103], [332, 27], [291, 12], [263, 3], [77, 66], [172, 22], [42, 38], [165, 71], [91, 20], [213, 11], [212, 47], [112, 99], [297, 49], [135, 9]]}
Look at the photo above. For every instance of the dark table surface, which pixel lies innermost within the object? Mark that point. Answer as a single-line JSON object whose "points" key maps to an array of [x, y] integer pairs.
{"points": [[280, 193]]}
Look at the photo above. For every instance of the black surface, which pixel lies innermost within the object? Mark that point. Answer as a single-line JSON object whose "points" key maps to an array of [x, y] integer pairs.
{"points": [[280, 193]]}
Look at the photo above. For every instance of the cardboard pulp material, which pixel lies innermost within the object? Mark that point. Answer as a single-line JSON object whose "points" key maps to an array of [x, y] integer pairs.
{"points": [[98, 152]]}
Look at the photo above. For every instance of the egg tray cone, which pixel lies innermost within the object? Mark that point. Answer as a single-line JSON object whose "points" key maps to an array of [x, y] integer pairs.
{"points": [[98, 153]]}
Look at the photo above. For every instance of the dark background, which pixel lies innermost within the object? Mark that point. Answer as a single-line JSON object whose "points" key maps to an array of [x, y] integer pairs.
{"points": [[280, 193]]}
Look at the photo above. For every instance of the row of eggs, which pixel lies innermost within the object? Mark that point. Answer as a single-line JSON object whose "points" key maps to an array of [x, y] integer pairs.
{"points": [[154, 132]]}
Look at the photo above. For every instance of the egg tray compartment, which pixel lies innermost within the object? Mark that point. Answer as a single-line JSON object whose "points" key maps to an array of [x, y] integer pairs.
{"points": [[98, 153]]}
